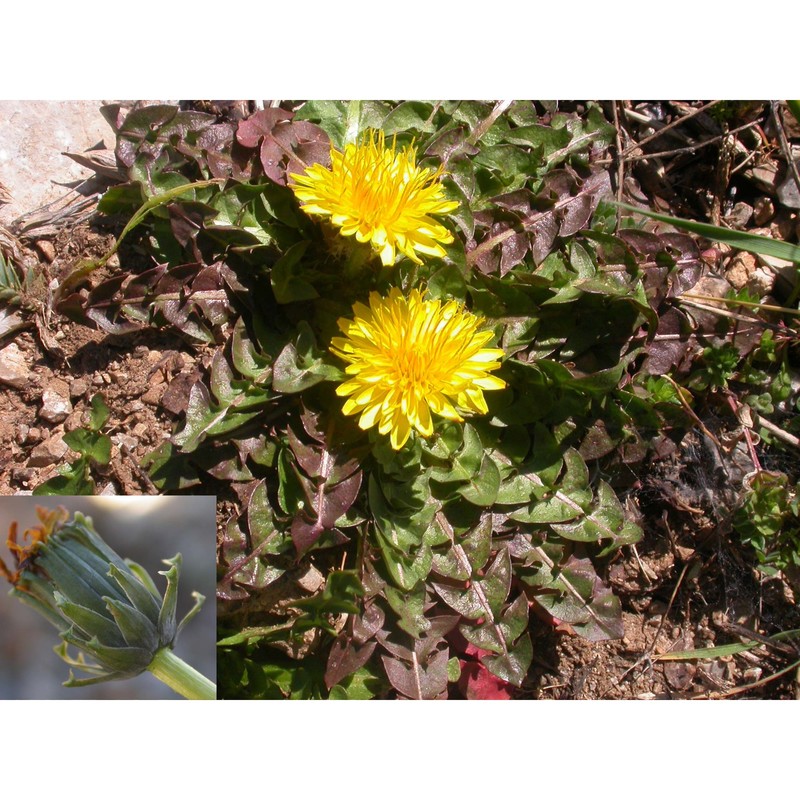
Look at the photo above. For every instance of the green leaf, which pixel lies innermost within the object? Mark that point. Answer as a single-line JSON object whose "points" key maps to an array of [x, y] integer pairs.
{"points": [[410, 608], [482, 488], [363, 684], [512, 666], [483, 597], [73, 479], [411, 115], [96, 446], [287, 278], [300, 365], [99, 414], [340, 595], [170, 470]]}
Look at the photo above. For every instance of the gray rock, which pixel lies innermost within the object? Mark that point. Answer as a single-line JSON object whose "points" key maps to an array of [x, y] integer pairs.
{"points": [[788, 193], [13, 369], [56, 405], [50, 451]]}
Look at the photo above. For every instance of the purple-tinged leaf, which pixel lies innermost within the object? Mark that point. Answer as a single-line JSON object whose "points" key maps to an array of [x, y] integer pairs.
{"points": [[483, 597], [576, 595], [513, 665], [333, 503], [345, 657], [369, 623], [416, 681], [286, 146]]}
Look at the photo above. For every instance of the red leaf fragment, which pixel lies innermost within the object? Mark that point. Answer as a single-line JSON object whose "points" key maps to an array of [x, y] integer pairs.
{"points": [[477, 683]]}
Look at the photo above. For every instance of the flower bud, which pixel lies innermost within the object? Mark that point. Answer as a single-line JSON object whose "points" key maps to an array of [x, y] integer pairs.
{"points": [[107, 607]]}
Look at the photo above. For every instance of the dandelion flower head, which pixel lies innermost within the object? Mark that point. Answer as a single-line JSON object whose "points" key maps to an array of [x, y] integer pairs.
{"points": [[379, 195], [408, 357]]}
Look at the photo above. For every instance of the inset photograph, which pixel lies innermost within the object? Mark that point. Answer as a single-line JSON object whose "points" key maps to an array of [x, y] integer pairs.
{"points": [[107, 598]]}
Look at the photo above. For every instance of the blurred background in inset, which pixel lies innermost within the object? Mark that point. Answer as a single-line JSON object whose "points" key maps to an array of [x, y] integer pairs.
{"points": [[144, 529]]}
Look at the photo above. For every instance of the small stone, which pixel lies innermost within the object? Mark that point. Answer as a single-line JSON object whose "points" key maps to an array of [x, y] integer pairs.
{"points": [[34, 435], [153, 395], [784, 225], [788, 192], [74, 421], [764, 210], [56, 406], [739, 269], [51, 451], [13, 369], [22, 432], [46, 250], [123, 440], [22, 476], [761, 282], [739, 216], [78, 388], [764, 176], [311, 580]]}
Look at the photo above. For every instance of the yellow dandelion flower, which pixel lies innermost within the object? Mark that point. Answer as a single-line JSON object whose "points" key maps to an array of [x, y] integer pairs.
{"points": [[409, 357], [379, 195]]}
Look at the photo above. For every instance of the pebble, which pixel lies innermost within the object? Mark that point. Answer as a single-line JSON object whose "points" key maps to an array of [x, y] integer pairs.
{"points": [[56, 406], [124, 440], [13, 369], [78, 388], [74, 421], [22, 432], [34, 435], [764, 210], [153, 395], [784, 226], [46, 250], [765, 176], [739, 215], [48, 452], [739, 269], [22, 476], [788, 193]]}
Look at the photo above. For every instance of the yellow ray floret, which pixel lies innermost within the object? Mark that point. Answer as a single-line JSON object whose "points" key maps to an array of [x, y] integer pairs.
{"points": [[408, 358], [379, 195]]}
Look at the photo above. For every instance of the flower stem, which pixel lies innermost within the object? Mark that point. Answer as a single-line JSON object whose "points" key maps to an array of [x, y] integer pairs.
{"points": [[180, 677]]}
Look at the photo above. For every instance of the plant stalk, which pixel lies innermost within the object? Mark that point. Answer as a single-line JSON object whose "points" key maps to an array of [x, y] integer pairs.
{"points": [[180, 677]]}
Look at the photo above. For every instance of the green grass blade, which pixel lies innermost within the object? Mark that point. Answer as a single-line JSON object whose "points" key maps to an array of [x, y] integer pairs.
{"points": [[752, 243], [723, 650], [86, 267]]}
